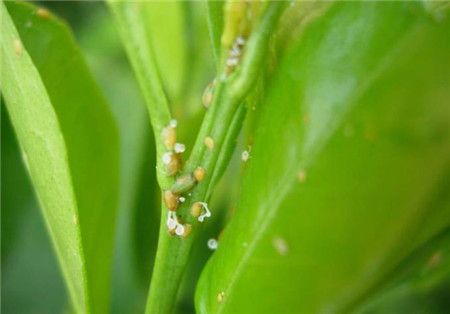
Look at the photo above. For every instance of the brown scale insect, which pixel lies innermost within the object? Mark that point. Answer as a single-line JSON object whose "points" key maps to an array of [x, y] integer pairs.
{"points": [[171, 200], [173, 162], [169, 137], [199, 174], [187, 231], [196, 209], [183, 184]]}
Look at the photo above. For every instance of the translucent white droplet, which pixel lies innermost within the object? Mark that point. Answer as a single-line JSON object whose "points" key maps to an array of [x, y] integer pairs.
{"points": [[171, 223], [181, 199], [166, 158], [173, 123], [245, 155], [180, 230], [212, 244], [179, 148]]}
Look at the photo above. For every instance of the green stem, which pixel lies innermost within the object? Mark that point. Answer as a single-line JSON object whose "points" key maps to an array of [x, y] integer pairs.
{"points": [[131, 26], [222, 122]]}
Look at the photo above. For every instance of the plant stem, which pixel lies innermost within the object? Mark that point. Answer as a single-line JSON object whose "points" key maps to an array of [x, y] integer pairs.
{"points": [[131, 25], [222, 123]]}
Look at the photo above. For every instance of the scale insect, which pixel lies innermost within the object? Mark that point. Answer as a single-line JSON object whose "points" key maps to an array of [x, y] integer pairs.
{"points": [[234, 54], [173, 162], [171, 200], [199, 174], [169, 137], [174, 227], [183, 184], [208, 94]]}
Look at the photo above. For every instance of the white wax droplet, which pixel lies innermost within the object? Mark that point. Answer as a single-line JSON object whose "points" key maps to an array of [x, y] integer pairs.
{"points": [[171, 223], [166, 158], [179, 148], [212, 244], [180, 230]]}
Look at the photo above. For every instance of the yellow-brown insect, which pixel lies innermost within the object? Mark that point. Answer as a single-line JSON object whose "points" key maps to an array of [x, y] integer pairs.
{"points": [[171, 200], [173, 162], [220, 296], [169, 137], [208, 94], [199, 174], [187, 231], [196, 209], [183, 184], [43, 13], [209, 142]]}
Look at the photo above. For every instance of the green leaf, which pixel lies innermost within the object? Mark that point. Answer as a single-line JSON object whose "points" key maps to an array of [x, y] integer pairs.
{"points": [[349, 160], [70, 146]]}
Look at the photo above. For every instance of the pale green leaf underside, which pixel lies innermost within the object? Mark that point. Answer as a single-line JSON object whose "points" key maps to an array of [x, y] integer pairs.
{"points": [[358, 108], [70, 144]]}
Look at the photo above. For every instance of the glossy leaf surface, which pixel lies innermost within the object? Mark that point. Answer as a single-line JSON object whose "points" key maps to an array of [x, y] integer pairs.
{"points": [[348, 166], [70, 144]]}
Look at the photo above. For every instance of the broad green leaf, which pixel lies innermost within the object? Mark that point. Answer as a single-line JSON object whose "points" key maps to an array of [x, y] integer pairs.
{"points": [[69, 141], [348, 167]]}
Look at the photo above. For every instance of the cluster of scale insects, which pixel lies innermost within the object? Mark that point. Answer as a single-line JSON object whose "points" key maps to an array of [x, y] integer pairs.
{"points": [[184, 183], [173, 161]]}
